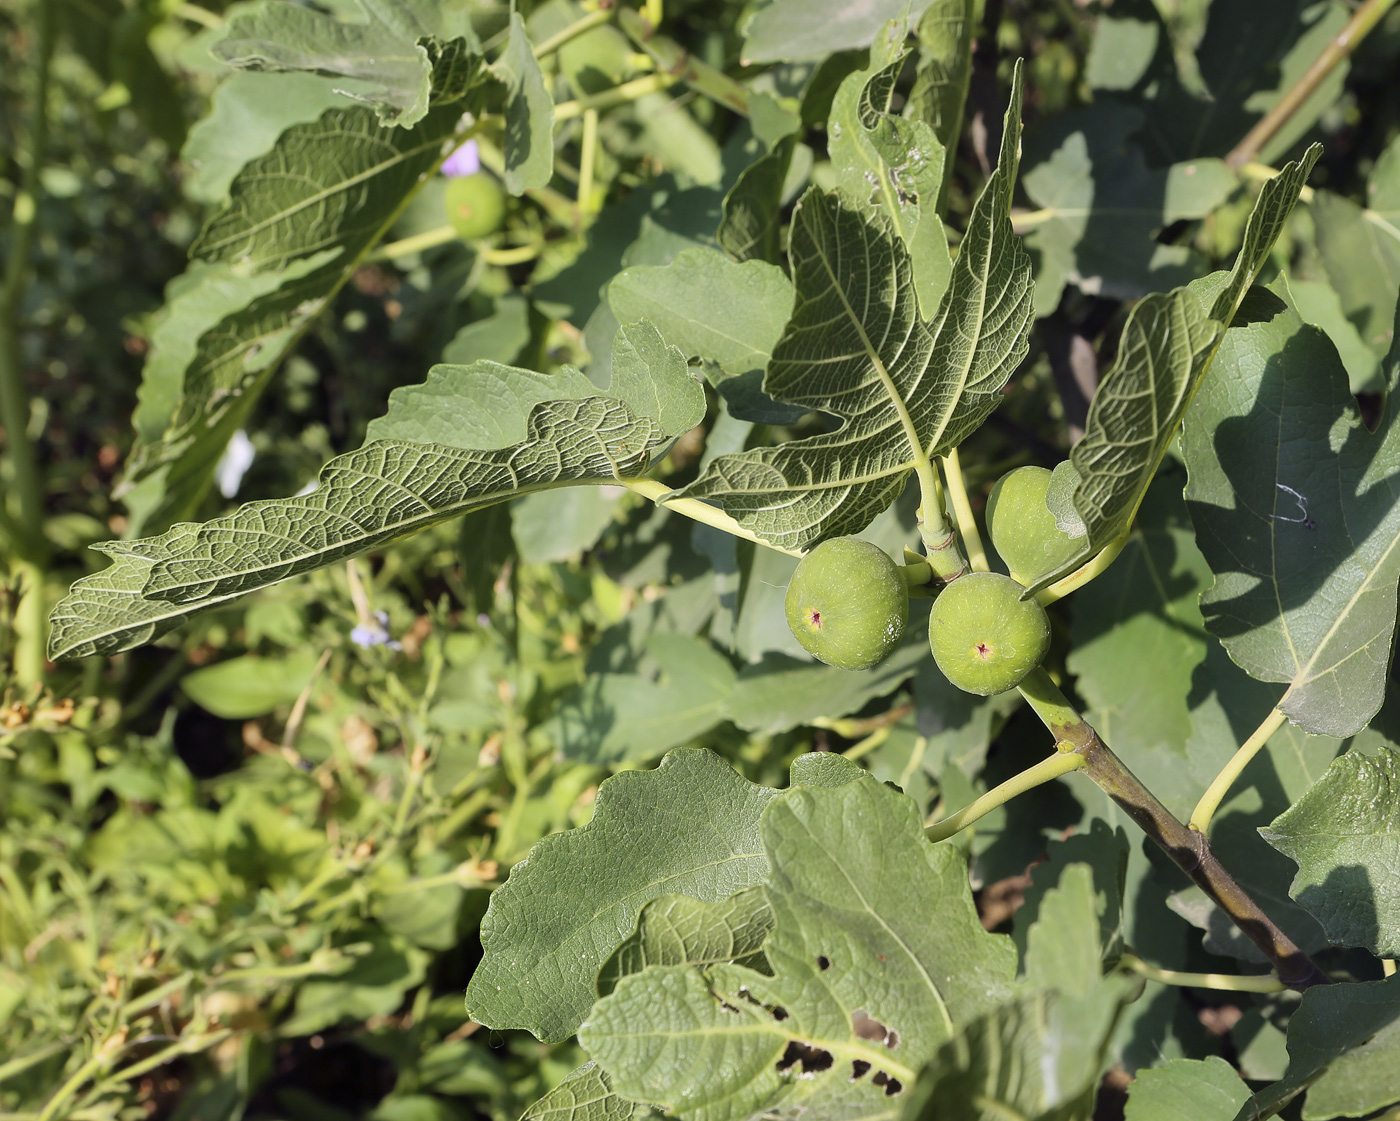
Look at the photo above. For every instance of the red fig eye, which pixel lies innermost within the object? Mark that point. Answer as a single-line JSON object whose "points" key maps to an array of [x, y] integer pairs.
{"points": [[984, 636]]}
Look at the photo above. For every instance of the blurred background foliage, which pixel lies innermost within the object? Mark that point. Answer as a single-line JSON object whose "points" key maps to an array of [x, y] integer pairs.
{"points": [[241, 871]]}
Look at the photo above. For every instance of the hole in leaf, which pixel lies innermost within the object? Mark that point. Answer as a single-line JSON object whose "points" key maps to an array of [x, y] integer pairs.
{"points": [[892, 1087], [880, 1078], [859, 1069], [811, 1059], [779, 1013], [823, 962], [867, 1027]]}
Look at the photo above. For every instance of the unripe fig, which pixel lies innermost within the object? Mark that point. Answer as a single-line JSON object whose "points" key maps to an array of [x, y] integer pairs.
{"points": [[847, 603], [476, 205], [985, 637], [1022, 527]]}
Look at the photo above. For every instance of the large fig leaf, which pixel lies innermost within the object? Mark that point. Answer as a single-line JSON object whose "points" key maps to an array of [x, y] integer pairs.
{"points": [[1295, 511], [1344, 835], [383, 51], [299, 218], [1167, 346], [856, 347], [877, 958], [520, 432]]}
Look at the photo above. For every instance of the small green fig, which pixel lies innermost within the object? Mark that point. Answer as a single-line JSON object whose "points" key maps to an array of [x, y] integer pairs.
{"points": [[984, 636], [476, 205], [1022, 527], [847, 603]]}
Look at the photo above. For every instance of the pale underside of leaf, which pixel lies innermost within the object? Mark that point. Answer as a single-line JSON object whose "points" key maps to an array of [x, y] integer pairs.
{"points": [[855, 347], [1166, 345], [308, 209], [384, 491]]}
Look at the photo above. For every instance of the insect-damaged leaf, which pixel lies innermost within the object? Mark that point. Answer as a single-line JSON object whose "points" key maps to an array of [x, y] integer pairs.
{"points": [[877, 956]]}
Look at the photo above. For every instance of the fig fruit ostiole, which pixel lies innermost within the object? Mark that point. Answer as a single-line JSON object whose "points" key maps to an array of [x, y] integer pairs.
{"points": [[847, 603], [984, 636], [1022, 527]]}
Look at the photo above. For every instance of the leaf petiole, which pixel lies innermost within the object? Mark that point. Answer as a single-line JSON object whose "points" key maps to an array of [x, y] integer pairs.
{"points": [[1215, 793], [573, 31], [696, 510], [618, 95], [1081, 576], [962, 512], [1221, 982], [1062, 762]]}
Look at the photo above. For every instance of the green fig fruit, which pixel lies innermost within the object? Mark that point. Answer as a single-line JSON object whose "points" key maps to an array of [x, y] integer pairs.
{"points": [[984, 636], [847, 603], [1022, 527], [476, 205]]}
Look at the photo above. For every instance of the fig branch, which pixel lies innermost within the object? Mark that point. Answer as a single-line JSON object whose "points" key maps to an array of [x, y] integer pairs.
{"points": [[1187, 847]]}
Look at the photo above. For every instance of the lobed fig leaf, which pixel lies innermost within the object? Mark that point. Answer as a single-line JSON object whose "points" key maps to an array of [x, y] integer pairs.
{"points": [[984, 636], [847, 603], [1022, 527]]}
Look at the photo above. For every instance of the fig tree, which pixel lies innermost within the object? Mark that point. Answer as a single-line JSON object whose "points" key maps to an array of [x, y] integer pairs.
{"points": [[847, 603], [985, 637], [476, 205], [1022, 527]]}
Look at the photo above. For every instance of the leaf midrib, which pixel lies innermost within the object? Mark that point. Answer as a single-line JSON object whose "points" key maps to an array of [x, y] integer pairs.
{"points": [[920, 461], [211, 251]]}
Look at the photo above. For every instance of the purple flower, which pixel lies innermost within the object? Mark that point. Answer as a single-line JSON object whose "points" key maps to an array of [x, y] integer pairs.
{"points": [[376, 634], [464, 161]]}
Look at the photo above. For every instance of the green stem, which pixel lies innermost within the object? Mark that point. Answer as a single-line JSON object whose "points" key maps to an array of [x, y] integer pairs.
{"points": [[195, 14], [517, 256], [27, 484], [1222, 982], [29, 549], [1215, 794], [1062, 762], [1342, 44], [588, 158], [866, 746], [1187, 847], [698, 511], [430, 239], [618, 95], [678, 64], [962, 512], [1081, 576], [573, 31], [68, 1089]]}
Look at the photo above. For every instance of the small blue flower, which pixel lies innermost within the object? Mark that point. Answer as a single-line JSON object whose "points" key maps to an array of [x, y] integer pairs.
{"points": [[466, 160], [377, 634]]}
